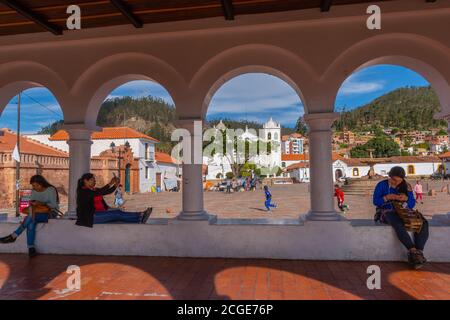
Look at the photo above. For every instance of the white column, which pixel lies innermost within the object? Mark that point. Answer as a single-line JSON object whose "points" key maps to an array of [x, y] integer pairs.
{"points": [[192, 184], [79, 160], [321, 166]]}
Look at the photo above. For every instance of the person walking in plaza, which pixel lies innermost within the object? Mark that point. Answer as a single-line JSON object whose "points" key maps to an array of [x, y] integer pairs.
{"points": [[44, 202], [268, 203], [92, 208], [339, 194], [418, 190], [229, 185], [396, 189]]}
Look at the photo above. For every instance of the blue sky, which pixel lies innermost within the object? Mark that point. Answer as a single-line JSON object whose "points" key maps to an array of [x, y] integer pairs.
{"points": [[253, 97]]}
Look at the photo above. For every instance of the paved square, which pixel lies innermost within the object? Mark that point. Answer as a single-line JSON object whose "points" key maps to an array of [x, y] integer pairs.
{"points": [[292, 200]]}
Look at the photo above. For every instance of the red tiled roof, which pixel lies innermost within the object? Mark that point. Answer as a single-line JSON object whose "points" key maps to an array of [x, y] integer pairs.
{"points": [[298, 165], [27, 146], [445, 155], [398, 159], [294, 157], [107, 133], [305, 157], [164, 158]]}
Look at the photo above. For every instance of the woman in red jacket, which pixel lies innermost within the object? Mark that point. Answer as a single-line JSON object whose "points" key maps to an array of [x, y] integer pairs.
{"points": [[92, 208]]}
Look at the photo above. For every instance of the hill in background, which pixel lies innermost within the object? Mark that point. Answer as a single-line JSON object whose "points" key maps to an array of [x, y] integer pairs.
{"points": [[410, 108]]}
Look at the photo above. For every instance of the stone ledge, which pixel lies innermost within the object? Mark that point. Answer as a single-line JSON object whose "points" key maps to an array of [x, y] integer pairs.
{"points": [[315, 240]]}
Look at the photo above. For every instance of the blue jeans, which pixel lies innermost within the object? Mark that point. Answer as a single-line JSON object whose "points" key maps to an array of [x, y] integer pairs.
{"points": [[268, 204], [117, 216], [420, 238], [30, 224]]}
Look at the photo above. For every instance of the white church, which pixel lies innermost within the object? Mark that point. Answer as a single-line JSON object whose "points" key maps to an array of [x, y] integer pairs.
{"points": [[220, 164]]}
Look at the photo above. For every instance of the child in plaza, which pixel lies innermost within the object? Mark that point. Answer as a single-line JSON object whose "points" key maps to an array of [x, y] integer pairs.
{"points": [[418, 191], [268, 203], [339, 194], [118, 197]]}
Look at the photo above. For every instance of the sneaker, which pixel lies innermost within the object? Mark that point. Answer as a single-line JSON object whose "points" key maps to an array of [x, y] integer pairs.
{"points": [[32, 252], [7, 239], [146, 215]]}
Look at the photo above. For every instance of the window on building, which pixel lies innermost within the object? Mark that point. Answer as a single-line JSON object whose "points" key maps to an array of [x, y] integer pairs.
{"points": [[275, 136], [411, 169], [355, 172], [147, 151], [147, 173]]}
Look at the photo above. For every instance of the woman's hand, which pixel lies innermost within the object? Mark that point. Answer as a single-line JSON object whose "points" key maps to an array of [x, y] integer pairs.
{"points": [[114, 182], [401, 197]]}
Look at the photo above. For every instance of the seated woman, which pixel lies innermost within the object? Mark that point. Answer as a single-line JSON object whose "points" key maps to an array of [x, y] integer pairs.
{"points": [[92, 208], [44, 201], [397, 189]]}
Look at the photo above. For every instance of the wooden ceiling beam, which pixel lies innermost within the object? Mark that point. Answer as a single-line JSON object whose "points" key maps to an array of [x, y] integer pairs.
{"points": [[228, 9], [128, 13], [30, 15]]}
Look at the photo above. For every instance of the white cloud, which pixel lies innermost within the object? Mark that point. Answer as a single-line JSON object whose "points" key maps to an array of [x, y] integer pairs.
{"points": [[355, 86], [256, 97]]}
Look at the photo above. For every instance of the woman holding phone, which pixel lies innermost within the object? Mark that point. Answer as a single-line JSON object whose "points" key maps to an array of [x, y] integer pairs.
{"points": [[92, 208], [44, 202]]}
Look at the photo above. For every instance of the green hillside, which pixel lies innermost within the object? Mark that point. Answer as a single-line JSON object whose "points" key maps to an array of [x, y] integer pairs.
{"points": [[410, 108]]}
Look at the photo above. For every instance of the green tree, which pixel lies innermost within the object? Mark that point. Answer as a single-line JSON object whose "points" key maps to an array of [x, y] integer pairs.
{"points": [[301, 126], [52, 128], [382, 146]]}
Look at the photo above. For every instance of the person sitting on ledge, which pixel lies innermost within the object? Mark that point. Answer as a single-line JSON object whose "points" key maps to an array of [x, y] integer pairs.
{"points": [[44, 203], [92, 208], [397, 189]]}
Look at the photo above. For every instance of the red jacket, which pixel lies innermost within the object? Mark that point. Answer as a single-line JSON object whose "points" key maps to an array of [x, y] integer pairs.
{"points": [[339, 194]]}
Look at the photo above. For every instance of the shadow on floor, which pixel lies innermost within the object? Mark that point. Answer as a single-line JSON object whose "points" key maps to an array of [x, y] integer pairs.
{"points": [[45, 277]]}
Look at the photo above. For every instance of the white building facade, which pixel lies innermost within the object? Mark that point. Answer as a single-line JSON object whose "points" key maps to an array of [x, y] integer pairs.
{"points": [[219, 164], [357, 168]]}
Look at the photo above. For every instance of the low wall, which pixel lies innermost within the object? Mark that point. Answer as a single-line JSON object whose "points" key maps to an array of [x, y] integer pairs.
{"points": [[260, 238]]}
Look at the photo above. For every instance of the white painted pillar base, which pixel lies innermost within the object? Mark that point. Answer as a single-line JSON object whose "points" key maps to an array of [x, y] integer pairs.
{"points": [[192, 185], [79, 161], [321, 167]]}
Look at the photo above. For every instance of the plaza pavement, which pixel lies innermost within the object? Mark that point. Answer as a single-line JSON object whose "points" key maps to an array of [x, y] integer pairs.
{"points": [[292, 200]]}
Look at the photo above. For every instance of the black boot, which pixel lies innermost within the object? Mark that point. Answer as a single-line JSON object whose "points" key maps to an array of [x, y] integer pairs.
{"points": [[8, 239], [416, 259], [32, 252]]}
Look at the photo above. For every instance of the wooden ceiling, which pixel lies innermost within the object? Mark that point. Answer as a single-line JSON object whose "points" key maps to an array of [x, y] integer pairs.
{"points": [[29, 16]]}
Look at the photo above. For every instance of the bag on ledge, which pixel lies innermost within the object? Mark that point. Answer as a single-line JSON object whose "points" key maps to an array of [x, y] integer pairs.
{"points": [[39, 208], [412, 219]]}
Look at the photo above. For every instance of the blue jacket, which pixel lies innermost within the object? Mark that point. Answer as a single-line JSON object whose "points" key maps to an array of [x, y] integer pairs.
{"points": [[383, 189], [268, 195]]}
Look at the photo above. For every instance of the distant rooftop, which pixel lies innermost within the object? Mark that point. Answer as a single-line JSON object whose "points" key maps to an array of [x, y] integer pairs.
{"points": [[27, 146], [107, 133]]}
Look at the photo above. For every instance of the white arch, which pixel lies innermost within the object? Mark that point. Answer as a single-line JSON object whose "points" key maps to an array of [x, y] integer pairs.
{"points": [[97, 82], [21, 75], [427, 57], [252, 58]]}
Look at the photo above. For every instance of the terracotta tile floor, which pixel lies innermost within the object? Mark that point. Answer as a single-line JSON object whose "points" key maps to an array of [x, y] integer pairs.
{"points": [[45, 277]]}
